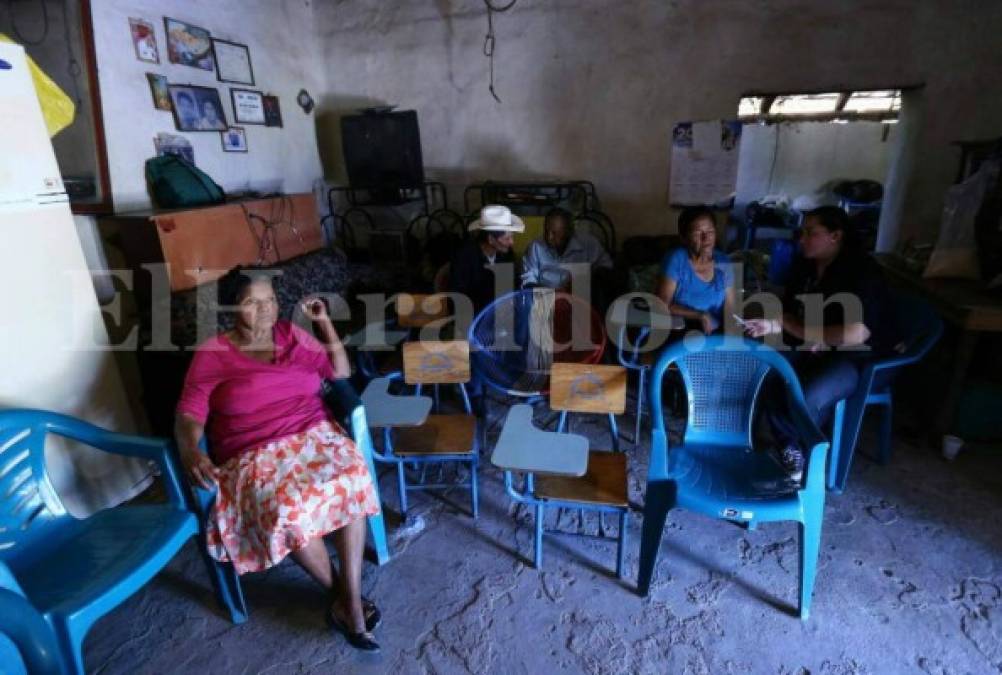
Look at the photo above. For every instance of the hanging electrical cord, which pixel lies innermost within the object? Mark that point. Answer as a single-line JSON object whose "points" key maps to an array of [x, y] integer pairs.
{"points": [[489, 38], [17, 32], [282, 212]]}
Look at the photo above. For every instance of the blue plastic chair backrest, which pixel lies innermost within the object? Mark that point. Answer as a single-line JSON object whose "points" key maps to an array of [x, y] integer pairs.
{"points": [[917, 323], [723, 376], [30, 510], [919, 327]]}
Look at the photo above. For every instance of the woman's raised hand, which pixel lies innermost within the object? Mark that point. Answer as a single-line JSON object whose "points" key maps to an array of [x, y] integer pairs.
{"points": [[315, 308]]}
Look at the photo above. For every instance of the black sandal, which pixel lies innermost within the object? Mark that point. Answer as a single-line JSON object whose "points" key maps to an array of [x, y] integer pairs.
{"points": [[362, 641], [373, 617]]}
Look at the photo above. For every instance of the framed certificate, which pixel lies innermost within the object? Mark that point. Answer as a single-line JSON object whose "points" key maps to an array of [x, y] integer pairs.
{"points": [[248, 106], [233, 62]]}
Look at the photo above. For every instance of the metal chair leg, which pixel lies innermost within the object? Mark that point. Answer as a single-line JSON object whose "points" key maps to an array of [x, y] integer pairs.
{"points": [[473, 487], [621, 546], [402, 487], [640, 408], [539, 536]]}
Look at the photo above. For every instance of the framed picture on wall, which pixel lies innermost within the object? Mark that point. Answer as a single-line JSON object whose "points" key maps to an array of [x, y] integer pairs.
{"points": [[234, 140], [160, 92], [248, 106], [144, 39], [233, 62], [272, 111], [197, 108], [188, 45]]}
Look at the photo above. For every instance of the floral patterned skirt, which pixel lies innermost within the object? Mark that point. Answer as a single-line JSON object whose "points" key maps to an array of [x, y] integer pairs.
{"points": [[274, 499]]}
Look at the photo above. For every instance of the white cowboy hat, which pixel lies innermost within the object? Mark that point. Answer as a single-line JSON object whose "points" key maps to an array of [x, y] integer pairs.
{"points": [[496, 218]]}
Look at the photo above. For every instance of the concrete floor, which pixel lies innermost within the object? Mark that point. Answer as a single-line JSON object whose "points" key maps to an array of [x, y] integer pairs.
{"points": [[910, 580]]}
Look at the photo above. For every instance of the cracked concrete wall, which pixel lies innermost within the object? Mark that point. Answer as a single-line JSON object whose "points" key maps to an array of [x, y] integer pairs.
{"points": [[284, 51], [591, 88]]}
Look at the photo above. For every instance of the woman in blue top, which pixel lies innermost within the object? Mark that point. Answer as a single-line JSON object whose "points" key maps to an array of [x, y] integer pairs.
{"points": [[696, 279]]}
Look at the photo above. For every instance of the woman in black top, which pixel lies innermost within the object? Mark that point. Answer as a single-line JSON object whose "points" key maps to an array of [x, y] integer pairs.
{"points": [[835, 315]]}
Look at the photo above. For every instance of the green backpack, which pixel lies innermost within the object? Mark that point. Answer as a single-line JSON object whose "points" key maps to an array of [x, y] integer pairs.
{"points": [[175, 182]]}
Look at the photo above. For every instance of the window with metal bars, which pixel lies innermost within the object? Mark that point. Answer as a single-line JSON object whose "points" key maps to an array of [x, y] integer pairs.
{"points": [[882, 105]]}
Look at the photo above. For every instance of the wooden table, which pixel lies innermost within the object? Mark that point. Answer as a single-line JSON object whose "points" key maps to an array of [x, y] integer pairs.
{"points": [[964, 303]]}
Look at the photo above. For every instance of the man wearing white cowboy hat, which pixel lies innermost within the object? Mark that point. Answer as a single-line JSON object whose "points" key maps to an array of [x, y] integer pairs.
{"points": [[473, 267]]}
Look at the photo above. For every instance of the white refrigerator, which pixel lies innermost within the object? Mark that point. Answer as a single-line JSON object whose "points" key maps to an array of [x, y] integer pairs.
{"points": [[53, 344]]}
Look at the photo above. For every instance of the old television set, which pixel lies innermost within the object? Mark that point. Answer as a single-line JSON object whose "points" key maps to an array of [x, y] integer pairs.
{"points": [[382, 151]]}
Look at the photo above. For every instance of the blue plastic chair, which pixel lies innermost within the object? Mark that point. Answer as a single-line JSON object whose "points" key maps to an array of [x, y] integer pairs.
{"points": [[715, 471], [346, 406], [59, 574], [27, 644], [923, 327]]}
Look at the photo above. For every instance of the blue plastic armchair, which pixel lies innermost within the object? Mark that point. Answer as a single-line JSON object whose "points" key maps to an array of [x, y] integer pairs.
{"points": [[346, 407], [345, 404], [923, 328], [715, 471], [30, 645], [58, 573]]}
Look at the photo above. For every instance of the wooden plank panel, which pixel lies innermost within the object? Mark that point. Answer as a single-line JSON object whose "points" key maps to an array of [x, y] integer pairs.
{"points": [[200, 245], [437, 362], [440, 435], [579, 387], [603, 483]]}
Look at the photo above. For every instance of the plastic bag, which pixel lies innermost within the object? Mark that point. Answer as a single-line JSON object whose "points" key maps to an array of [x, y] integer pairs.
{"points": [[57, 108], [956, 252]]}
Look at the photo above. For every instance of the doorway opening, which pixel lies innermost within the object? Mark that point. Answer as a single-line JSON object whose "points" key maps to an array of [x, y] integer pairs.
{"points": [[801, 151]]}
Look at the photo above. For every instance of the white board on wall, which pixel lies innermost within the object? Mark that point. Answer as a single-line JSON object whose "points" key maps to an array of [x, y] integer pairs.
{"points": [[704, 162]]}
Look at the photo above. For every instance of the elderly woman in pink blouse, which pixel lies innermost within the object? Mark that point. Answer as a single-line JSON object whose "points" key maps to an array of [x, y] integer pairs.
{"points": [[286, 473]]}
